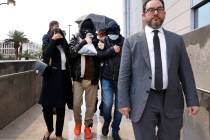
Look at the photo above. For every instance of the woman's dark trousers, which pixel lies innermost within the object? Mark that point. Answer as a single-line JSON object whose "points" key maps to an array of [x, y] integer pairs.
{"points": [[48, 117]]}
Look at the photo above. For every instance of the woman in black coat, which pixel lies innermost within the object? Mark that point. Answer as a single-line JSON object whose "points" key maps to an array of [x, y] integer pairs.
{"points": [[57, 86]]}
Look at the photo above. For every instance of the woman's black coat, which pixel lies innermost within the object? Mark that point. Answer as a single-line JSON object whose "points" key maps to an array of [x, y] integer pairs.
{"points": [[57, 85]]}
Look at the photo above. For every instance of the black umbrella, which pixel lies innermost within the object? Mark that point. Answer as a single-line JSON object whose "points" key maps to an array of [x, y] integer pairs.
{"points": [[100, 21]]}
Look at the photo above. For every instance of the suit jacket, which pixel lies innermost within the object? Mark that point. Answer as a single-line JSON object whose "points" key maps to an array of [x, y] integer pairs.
{"points": [[135, 76]]}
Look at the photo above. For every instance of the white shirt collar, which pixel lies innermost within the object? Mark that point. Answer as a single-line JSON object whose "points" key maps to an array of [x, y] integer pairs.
{"points": [[148, 29]]}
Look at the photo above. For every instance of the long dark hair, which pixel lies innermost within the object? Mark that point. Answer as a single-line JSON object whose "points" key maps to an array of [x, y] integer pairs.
{"points": [[52, 23]]}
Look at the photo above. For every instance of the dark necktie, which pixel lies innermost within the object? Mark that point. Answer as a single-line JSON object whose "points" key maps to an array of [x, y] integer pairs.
{"points": [[158, 62]]}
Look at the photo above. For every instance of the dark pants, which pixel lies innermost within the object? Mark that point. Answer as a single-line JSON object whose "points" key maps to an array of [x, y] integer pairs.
{"points": [[48, 117], [154, 124], [109, 94]]}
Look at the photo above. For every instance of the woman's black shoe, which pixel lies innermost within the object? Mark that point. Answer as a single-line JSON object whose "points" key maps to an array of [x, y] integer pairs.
{"points": [[46, 138]]}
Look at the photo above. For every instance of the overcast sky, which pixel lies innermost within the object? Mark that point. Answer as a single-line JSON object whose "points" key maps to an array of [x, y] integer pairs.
{"points": [[33, 16]]}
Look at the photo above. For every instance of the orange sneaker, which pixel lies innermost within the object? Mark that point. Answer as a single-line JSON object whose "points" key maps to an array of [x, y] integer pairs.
{"points": [[77, 129], [88, 133]]}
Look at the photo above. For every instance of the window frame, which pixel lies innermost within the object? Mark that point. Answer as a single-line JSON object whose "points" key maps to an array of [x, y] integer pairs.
{"points": [[195, 7]]}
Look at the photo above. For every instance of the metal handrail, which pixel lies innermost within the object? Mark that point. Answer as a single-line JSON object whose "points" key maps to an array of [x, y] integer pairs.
{"points": [[18, 73], [17, 61], [203, 91]]}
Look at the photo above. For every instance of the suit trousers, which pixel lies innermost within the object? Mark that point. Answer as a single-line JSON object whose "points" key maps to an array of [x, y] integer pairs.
{"points": [[90, 101], [48, 117], [154, 124]]}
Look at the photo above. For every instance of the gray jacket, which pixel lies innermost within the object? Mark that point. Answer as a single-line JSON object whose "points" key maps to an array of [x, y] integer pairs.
{"points": [[135, 76]]}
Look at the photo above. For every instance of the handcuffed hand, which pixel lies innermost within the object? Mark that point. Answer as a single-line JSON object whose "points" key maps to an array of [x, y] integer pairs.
{"points": [[116, 48]]}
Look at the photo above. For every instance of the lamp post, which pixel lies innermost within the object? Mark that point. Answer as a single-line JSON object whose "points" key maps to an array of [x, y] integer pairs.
{"points": [[69, 33], [9, 2]]}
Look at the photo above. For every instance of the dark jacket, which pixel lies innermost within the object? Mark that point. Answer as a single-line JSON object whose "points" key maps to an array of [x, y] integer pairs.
{"points": [[56, 86], [86, 26], [45, 41], [110, 59]]}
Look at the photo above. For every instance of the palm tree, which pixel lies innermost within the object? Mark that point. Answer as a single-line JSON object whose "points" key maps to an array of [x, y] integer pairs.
{"points": [[18, 38]]}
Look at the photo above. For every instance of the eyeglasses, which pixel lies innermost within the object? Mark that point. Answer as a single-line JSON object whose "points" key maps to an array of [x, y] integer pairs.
{"points": [[152, 10]]}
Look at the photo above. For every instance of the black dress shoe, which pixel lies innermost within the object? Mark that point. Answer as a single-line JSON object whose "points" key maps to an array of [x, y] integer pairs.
{"points": [[105, 129], [116, 136]]}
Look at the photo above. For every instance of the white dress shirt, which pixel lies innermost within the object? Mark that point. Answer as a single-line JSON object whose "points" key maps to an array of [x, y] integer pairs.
{"points": [[149, 35], [63, 58]]}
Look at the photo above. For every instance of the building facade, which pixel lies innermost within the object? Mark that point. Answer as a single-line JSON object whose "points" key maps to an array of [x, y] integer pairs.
{"points": [[31, 47], [182, 16], [132, 17], [7, 49]]}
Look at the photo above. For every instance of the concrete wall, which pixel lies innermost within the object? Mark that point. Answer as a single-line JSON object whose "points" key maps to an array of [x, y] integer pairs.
{"points": [[132, 16], [18, 91], [198, 127], [198, 47], [178, 16], [135, 15], [15, 66]]}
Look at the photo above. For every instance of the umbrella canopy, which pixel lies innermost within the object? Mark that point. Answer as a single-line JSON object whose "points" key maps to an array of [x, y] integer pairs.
{"points": [[100, 21]]}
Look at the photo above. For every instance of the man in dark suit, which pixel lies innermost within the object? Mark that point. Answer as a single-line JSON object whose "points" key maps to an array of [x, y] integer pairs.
{"points": [[155, 76]]}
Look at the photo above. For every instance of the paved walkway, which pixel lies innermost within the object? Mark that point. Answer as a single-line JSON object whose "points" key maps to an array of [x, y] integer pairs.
{"points": [[31, 126]]}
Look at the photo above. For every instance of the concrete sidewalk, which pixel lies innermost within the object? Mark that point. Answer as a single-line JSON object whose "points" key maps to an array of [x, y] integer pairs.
{"points": [[31, 126]]}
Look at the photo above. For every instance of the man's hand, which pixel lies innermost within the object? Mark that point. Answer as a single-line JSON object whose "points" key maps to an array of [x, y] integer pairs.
{"points": [[125, 111], [192, 110], [100, 45], [88, 40], [116, 48]]}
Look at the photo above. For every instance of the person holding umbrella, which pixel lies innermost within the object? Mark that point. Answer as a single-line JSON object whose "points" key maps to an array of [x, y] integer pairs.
{"points": [[99, 21], [85, 73]]}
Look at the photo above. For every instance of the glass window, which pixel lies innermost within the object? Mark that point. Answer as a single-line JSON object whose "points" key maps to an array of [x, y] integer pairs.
{"points": [[195, 2], [202, 16]]}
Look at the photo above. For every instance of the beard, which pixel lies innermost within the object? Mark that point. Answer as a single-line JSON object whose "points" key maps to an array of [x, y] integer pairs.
{"points": [[155, 23]]}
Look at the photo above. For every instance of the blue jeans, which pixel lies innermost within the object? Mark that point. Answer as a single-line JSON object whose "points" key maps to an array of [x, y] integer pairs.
{"points": [[109, 88]]}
